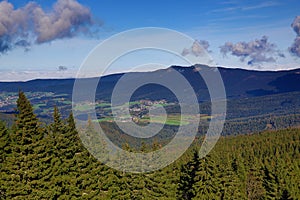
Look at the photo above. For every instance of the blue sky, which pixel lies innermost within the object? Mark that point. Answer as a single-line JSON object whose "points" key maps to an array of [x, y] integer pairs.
{"points": [[214, 21]]}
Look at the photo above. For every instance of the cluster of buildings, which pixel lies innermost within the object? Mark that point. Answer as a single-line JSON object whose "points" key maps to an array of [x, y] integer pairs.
{"points": [[7, 101], [139, 110]]}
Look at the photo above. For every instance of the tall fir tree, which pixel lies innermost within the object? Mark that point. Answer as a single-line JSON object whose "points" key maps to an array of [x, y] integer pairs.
{"points": [[61, 158], [27, 128], [23, 174], [205, 186], [57, 126], [271, 184], [4, 142], [187, 180], [54, 165], [4, 152]]}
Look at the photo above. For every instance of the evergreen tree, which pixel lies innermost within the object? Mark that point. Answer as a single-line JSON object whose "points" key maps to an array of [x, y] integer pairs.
{"points": [[57, 126], [71, 122], [73, 135], [186, 183], [254, 186], [206, 183], [271, 184], [4, 143], [36, 164], [62, 157], [22, 169], [27, 125], [4, 152], [227, 184]]}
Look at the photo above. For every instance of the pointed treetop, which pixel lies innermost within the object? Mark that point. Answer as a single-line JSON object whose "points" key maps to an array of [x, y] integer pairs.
{"points": [[27, 124]]}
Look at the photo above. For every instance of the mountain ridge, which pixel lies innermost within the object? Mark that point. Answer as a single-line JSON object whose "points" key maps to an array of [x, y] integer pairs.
{"points": [[238, 82], [121, 73]]}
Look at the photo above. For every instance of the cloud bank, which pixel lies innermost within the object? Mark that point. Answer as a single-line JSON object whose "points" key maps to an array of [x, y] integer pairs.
{"points": [[295, 48], [254, 52], [31, 24], [10, 76]]}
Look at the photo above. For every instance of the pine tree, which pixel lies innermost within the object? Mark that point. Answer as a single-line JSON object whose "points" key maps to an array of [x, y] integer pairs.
{"points": [[205, 186], [73, 136], [54, 165], [71, 122], [271, 184], [254, 186], [23, 175], [57, 126], [163, 183], [186, 183], [61, 157], [227, 184], [4, 142], [27, 125], [4, 152]]}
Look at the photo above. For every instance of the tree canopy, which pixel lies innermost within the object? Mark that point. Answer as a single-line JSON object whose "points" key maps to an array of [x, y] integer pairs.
{"points": [[49, 162]]}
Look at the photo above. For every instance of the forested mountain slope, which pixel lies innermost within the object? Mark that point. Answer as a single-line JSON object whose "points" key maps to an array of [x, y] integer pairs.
{"points": [[49, 162], [238, 83]]}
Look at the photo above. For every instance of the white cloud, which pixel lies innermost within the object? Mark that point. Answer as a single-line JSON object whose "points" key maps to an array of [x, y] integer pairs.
{"points": [[10, 76]]}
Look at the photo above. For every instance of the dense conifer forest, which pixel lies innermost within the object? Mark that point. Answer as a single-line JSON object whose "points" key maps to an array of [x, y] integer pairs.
{"points": [[39, 161]]}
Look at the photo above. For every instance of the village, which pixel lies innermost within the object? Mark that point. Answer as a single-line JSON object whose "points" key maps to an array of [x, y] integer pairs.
{"points": [[139, 110]]}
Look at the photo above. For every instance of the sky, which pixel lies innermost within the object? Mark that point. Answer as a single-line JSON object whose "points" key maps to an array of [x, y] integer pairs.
{"points": [[52, 38]]}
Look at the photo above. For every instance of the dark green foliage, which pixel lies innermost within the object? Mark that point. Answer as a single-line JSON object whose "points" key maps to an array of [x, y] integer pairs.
{"points": [[285, 195], [22, 167], [206, 179], [188, 178], [51, 163], [4, 142], [271, 184], [27, 126], [254, 186]]}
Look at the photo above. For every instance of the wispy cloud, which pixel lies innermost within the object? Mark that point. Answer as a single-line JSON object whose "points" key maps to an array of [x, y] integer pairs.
{"points": [[228, 2], [9, 76], [266, 4], [233, 18], [262, 5]]}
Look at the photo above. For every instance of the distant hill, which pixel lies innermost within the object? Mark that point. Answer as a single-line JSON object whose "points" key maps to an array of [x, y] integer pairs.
{"points": [[257, 100], [239, 83]]}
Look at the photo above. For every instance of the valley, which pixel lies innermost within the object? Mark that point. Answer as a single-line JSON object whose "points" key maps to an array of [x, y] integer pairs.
{"points": [[256, 100]]}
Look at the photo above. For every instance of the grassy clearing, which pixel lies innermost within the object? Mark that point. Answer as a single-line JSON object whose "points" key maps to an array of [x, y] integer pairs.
{"points": [[171, 119], [103, 104]]}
